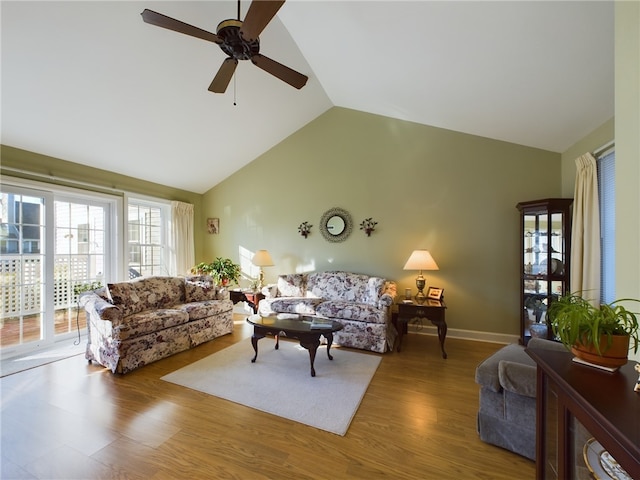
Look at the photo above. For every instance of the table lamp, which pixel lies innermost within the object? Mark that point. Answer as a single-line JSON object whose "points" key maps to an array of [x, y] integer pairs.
{"points": [[262, 259], [420, 260]]}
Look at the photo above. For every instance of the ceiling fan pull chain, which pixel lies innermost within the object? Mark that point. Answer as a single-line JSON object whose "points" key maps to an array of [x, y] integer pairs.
{"points": [[234, 88]]}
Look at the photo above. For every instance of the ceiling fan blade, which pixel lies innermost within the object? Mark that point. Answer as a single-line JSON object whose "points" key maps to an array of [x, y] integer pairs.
{"points": [[160, 20], [276, 69], [223, 77], [258, 16]]}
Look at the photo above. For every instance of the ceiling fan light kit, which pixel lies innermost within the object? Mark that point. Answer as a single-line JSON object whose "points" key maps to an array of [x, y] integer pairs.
{"points": [[239, 40]]}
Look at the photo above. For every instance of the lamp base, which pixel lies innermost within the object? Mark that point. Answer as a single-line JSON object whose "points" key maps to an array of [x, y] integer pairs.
{"points": [[261, 280], [420, 284]]}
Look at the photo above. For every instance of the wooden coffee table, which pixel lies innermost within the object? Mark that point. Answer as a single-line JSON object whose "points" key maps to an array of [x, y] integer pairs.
{"points": [[293, 326]]}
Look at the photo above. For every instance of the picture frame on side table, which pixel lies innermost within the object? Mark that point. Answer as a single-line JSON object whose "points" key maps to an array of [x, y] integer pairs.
{"points": [[435, 293]]}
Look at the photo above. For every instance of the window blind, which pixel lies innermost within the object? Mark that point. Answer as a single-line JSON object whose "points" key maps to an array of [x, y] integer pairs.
{"points": [[607, 191]]}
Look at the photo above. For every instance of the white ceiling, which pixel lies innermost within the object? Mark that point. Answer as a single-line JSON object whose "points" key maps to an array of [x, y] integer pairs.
{"points": [[90, 82]]}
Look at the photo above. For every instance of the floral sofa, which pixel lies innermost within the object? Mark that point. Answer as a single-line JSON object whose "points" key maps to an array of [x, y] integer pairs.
{"points": [[131, 324], [361, 303]]}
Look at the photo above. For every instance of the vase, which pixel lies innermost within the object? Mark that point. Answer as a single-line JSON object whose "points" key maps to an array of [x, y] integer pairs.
{"points": [[613, 356]]}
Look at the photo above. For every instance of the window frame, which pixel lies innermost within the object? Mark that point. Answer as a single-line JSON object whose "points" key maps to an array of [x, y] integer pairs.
{"points": [[165, 238], [112, 252]]}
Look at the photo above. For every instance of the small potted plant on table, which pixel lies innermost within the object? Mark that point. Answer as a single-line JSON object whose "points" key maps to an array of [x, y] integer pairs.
{"points": [[223, 271], [599, 335]]}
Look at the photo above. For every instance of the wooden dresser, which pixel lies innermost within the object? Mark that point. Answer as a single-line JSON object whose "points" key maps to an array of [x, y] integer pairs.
{"points": [[581, 412]]}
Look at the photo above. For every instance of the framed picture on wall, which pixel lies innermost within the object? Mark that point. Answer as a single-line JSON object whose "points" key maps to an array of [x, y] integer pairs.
{"points": [[213, 225], [435, 293]]}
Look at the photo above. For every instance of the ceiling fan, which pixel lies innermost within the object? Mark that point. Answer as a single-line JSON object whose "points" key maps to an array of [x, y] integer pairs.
{"points": [[238, 39]]}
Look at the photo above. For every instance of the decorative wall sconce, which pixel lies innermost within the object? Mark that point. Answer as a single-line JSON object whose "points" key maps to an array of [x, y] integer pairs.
{"points": [[368, 225], [305, 229]]}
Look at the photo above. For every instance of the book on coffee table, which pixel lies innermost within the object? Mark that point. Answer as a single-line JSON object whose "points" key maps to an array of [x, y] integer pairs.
{"points": [[320, 323]]}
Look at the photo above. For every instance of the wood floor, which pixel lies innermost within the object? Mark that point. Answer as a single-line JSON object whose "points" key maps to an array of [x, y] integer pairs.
{"points": [[70, 420]]}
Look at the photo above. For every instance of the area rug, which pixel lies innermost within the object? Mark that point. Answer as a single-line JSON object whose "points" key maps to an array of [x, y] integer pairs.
{"points": [[280, 383], [31, 360]]}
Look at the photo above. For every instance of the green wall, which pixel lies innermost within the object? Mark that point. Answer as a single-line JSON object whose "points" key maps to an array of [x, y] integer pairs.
{"points": [[451, 193]]}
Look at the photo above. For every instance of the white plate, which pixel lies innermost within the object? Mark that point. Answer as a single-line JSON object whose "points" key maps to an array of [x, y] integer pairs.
{"points": [[601, 464]]}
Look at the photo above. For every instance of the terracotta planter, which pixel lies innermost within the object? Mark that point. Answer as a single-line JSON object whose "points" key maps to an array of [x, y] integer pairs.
{"points": [[614, 356]]}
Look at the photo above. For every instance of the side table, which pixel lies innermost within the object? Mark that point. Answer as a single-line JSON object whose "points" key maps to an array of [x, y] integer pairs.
{"points": [[251, 297], [432, 310]]}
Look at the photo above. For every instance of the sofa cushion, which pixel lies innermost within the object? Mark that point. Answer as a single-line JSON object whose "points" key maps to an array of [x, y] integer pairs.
{"points": [[197, 310], [159, 292], [301, 305], [146, 293], [149, 321], [292, 285], [199, 291], [351, 287], [351, 311]]}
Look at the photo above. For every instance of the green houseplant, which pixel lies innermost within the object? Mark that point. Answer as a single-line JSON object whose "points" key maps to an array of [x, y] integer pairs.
{"points": [[599, 335], [223, 270]]}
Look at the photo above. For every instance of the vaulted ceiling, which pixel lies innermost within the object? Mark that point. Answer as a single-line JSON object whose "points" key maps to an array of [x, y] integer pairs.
{"points": [[91, 83]]}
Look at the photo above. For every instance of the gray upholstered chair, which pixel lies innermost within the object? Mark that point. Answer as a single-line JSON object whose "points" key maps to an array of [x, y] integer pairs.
{"points": [[507, 413]]}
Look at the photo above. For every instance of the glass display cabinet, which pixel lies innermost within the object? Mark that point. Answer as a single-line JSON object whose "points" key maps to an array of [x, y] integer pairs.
{"points": [[545, 253]]}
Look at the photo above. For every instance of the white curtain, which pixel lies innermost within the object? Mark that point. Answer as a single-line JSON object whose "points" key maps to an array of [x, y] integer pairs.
{"points": [[585, 239], [182, 237]]}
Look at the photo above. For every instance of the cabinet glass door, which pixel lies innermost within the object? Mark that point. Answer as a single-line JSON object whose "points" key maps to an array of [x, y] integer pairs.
{"points": [[545, 232]]}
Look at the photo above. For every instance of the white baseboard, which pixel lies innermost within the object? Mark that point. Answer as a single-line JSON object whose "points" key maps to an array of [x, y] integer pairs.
{"points": [[490, 337]]}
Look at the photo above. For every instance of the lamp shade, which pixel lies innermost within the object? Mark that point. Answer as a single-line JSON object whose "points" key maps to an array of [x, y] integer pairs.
{"points": [[262, 259], [421, 260]]}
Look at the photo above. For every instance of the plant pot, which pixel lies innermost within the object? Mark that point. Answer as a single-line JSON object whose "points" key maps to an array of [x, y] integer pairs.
{"points": [[614, 356]]}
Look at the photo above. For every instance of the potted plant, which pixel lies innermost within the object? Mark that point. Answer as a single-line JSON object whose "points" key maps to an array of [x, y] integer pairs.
{"points": [[202, 268], [599, 335], [223, 270]]}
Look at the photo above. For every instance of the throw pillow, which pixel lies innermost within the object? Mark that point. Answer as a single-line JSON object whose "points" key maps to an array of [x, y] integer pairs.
{"points": [[125, 296], [291, 285], [199, 291]]}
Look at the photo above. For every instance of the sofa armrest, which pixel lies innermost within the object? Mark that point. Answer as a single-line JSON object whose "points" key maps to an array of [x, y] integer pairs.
{"points": [[95, 305], [487, 373], [517, 378]]}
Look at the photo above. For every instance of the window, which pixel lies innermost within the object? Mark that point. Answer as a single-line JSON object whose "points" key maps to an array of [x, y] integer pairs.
{"points": [[56, 241], [607, 196], [147, 250], [53, 242]]}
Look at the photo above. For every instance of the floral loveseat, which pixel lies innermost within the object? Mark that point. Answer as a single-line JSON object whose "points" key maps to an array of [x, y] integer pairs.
{"points": [[361, 303], [131, 324]]}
